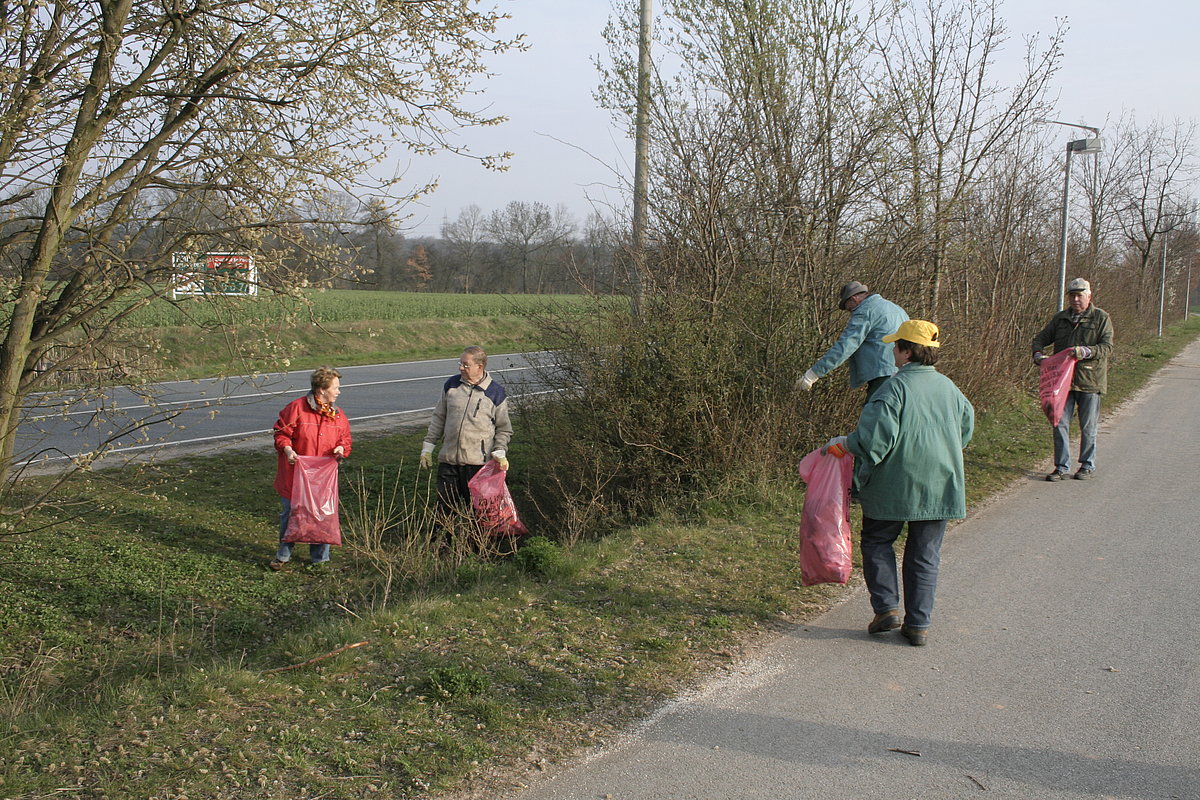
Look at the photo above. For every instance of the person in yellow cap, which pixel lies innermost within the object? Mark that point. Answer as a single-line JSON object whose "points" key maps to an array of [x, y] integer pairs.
{"points": [[908, 445]]}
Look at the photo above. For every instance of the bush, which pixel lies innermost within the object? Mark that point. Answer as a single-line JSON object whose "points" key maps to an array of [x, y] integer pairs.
{"points": [[448, 683], [539, 556], [665, 412]]}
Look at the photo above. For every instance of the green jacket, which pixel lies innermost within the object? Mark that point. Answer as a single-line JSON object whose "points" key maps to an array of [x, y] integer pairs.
{"points": [[1093, 330], [909, 444]]}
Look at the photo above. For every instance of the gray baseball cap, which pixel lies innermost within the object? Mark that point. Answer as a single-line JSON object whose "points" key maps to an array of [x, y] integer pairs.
{"points": [[849, 290], [1079, 285]]}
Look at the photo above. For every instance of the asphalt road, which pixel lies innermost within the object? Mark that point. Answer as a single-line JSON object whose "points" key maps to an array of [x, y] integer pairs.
{"points": [[212, 414], [1064, 661]]}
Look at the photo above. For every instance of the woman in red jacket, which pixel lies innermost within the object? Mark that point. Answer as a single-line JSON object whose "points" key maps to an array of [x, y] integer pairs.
{"points": [[308, 426]]}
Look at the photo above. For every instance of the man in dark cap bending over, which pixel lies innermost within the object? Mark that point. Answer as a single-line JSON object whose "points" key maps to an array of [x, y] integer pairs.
{"points": [[871, 318]]}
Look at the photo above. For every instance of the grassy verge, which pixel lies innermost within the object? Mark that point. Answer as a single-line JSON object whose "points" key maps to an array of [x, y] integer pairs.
{"points": [[197, 353], [146, 651], [194, 339]]}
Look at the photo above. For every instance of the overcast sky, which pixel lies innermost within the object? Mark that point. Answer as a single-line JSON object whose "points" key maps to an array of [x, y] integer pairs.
{"points": [[1119, 55]]}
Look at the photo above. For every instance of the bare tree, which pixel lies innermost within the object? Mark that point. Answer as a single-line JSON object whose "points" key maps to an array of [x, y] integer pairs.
{"points": [[379, 242], [221, 125], [466, 240], [951, 119], [526, 233], [1132, 194], [596, 270], [1155, 199]]}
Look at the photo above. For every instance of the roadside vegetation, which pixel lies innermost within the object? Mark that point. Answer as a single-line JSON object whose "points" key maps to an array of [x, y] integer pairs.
{"points": [[147, 651]]}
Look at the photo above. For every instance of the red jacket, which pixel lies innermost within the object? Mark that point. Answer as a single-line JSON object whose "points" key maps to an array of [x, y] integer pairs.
{"points": [[309, 433]]}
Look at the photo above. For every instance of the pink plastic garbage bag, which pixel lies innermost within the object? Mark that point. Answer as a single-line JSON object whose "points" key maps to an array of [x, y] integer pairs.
{"points": [[314, 517], [825, 554], [492, 502], [1055, 382]]}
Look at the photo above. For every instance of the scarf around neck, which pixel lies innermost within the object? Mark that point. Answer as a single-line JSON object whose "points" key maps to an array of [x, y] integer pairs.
{"points": [[324, 409]]}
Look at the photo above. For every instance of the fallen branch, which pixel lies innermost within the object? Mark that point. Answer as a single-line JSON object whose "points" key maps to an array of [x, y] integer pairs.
{"points": [[902, 750], [314, 660]]}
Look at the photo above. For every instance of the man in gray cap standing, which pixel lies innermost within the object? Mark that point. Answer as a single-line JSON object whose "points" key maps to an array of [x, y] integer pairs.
{"points": [[1087, 331], [871, 362]]}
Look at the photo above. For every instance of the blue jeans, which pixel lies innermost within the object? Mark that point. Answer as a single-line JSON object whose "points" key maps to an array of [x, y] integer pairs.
{"points": [[922, 555], [317, 553], [1088, 404]]}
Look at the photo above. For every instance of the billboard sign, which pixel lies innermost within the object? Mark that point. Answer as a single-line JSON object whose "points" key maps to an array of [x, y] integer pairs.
{"points": [[213, 273]]}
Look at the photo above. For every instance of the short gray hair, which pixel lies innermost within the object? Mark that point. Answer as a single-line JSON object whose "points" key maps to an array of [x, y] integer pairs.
{"points": [[477, 355]]}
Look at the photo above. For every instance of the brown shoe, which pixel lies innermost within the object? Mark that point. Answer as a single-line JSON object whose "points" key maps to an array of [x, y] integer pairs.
{"points": [[275, 565], [917, 637], [887, 621]]}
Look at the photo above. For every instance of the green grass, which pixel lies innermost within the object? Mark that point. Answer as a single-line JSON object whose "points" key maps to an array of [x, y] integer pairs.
{"points": [[346, 326], [155, 667], [221, 336], [147, 652], [349, 305]]}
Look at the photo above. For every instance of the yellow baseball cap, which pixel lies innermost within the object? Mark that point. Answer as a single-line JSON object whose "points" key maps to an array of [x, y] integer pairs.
{"points": [[917, 331]]}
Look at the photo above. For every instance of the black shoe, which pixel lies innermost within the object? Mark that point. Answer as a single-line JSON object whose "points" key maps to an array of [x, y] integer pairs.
{"points": [[1057, 475], [1084, 474], [887, 621], [916, 637]]}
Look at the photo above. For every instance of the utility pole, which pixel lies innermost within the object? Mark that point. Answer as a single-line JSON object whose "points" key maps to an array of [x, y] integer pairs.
{"points": [[641, 147]]}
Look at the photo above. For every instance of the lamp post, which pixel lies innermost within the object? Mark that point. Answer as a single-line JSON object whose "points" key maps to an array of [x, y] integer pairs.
{"points": [[1162, 286], [1083, 146], [1173, 220], [1187, 293]]}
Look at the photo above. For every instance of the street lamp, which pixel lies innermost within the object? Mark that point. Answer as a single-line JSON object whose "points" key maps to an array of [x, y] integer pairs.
{"points": [[1162, 286], [1084, 147], [1162, 282]]}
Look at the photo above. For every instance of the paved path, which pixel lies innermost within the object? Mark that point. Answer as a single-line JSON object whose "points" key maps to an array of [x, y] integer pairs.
{"points": [[1064, 661]]}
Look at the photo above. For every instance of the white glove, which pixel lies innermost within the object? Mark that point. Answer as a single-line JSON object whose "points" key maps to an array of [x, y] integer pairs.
{"points": [[426, 455], [835, 447], [499, 457], [806, 383]]}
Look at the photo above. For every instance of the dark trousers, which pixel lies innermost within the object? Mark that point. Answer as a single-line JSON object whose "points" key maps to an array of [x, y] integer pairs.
{"points": [[922, 556], [453, 493]]}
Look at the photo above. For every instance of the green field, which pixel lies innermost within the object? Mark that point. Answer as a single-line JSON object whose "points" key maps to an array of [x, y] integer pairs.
{"points": [[197, 338], [349, 305]]}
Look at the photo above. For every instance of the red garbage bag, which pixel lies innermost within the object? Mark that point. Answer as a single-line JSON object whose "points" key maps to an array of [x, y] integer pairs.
{"points": [[1055, 382], [492, 502], [314, 517], [825, 554]]}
